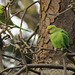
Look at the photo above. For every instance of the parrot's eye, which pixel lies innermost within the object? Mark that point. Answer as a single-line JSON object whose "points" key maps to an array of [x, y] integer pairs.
{"points": [[51, 28]]}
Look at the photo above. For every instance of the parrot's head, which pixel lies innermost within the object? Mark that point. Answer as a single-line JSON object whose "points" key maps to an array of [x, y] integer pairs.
{"points": [[51, 29], [1, 10]]}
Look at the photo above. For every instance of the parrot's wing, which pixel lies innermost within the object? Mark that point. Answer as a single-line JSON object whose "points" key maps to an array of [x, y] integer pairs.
{"points": [[65, 32], [65, 39], [62, 30]]}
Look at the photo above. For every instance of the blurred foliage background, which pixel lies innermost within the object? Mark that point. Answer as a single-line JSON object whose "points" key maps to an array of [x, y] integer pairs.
{"points": [[31, 18], [32, 15]]}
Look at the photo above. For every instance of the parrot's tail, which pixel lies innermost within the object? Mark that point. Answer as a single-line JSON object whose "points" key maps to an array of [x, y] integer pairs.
{"points": [[71, 59]]}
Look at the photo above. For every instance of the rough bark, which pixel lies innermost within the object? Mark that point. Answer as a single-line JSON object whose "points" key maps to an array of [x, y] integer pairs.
{"points": [[46, 8], [65, 21]]}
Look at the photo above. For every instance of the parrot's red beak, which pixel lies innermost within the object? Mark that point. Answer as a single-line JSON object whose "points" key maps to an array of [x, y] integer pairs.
{"points": [[4, 12], [47, 31]]}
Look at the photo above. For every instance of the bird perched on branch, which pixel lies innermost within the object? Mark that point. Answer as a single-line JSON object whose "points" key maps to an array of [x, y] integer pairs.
{"points": [[2, 18], [59, 39]]}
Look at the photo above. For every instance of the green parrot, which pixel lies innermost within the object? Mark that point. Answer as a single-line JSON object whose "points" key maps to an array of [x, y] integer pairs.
{"points": [[59, 39], [2, 18]]}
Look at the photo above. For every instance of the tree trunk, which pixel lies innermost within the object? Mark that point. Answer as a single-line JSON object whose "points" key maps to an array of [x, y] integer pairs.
{"points": [[65, 21]]}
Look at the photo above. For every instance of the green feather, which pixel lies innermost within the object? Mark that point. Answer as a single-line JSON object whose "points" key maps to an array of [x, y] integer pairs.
{"points": [[58, 37]]}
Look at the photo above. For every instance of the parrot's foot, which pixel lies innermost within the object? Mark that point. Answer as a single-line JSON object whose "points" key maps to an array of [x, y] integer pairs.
{"points": [[55, 49], [62, 49]]}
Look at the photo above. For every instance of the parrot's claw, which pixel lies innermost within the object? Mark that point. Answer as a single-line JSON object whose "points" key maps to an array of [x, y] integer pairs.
{"points": [[55, 49]]}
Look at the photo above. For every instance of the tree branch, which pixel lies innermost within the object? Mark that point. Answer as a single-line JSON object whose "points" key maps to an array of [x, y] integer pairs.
{"points": [[40, 66]]}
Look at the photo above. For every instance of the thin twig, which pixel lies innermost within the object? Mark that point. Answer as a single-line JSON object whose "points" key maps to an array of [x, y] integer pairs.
{"points": [[25, 11], [12, 36], [9, 3], [57, 14], [18, 59], [33, 34], [20, 71], [23, 68], [25, 8], [71, 54], [8, 15], [7, 69], [24, 62], [64, 64], [42, 48], [39, 73], [9, 72], [6, 21], [27, 45]]}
